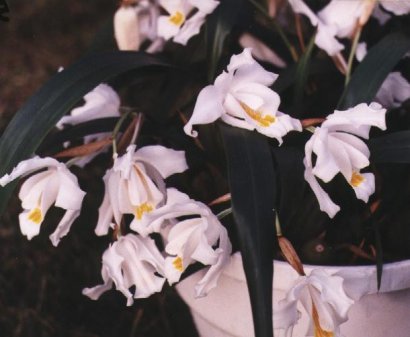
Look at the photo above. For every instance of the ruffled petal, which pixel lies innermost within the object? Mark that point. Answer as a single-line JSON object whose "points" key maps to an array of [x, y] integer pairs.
{"points": [[166, 161], [126, 28], [208, 108], [64, 226]]}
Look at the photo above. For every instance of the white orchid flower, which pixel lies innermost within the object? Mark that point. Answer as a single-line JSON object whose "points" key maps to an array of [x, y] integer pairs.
{"points": [[191, 239], [135, 184], [56, 185], [394, 91], [131, 261], [241, 97], [324, 300], [178, 24], [101, 102], [338, 149], [133, 25], [340, 18]]}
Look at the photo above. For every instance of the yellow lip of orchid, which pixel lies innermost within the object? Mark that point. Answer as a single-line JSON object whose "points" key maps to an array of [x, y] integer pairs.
{"points": [[177, 18], [263, 120], [35, 215], [357, 179], [143, 208], [319, 332]]}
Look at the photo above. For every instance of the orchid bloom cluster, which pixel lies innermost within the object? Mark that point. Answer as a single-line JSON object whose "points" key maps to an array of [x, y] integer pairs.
{"points": [[134, 24], [241, 97], [324, 299], [135, 187], [340, 19]]}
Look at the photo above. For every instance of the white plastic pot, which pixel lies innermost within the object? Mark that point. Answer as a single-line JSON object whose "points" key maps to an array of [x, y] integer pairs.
{"points": [[226, 311]]}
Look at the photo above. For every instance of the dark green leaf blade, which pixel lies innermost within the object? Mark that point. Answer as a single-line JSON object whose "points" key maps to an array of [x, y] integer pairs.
{"points": [[252, 184], [219, 26], [372, 71], [42, 111], [391, 148]]}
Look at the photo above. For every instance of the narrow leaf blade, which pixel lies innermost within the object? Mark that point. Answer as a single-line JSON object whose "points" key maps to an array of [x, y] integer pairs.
{"points": [[252, 183]]}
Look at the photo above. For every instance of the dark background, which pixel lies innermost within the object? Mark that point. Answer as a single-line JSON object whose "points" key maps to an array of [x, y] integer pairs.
{"points": [[40, 285]]}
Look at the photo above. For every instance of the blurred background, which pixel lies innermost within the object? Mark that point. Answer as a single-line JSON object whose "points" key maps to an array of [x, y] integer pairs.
{"points": [[40, 286]]}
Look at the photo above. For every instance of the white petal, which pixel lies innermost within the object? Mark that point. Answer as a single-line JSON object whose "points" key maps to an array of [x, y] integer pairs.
{"points": [[361, 51], [325, 203], [190, 28], [300, 7], [101, 102], [28, 166], [260, 50], [166, 29], [95, 292], [381, 16], [326, 39], [28, 227], [166, 161], [397, 7], [69, 196], [208, 108], [64, 226], [105, 215], [366, 188], [126, 28], [32, 189], [240, 60], [210, 279], [394, 91]]}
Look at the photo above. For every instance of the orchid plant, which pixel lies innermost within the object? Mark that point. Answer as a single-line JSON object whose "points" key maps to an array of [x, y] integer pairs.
{"points": [[213, 143]]}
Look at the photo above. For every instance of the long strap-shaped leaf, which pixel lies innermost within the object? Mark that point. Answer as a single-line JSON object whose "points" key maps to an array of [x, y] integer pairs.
{"points": [[391, 148], [370, 74], [42, 111], [252, 184]]}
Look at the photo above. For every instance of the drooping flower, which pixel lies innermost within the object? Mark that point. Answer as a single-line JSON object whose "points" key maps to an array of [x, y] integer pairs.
{"points": [[133, 25], [56, 185], [191, 240], [135, 184], [323, 298], [178, 24], [131, 261], [340, 18], [394, 91], [101, 102], [241, 97], [338, 148]]}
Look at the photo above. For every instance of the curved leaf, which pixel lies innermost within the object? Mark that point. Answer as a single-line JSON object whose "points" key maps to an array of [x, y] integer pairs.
{"points": [[372, 71], [252, 184], [45, 108], [219, 26], [391, 148]]}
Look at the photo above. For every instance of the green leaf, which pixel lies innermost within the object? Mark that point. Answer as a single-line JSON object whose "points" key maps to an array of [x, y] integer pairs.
{"points": [[391, 148], [252, 180], [44, 109], [219, 26], [302, 72], [372, 71]]}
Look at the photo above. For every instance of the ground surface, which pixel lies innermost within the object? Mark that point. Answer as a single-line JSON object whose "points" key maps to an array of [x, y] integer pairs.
{"points": [[40, 286]]}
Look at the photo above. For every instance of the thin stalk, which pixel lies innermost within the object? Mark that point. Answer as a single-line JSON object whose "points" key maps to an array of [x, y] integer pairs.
{"points": [[224, 213], [116, 130], [352, 53], [275, 25], [299, 32], [71, 162], [277, 226]]}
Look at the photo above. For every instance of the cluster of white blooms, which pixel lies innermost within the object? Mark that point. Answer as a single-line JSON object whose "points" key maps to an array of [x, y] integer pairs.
{"points": [[133, 186], [340, 18], [133, 25]]}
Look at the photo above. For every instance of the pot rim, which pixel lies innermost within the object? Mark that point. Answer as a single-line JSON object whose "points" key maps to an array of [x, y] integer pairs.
{"points": [[358, 280]]}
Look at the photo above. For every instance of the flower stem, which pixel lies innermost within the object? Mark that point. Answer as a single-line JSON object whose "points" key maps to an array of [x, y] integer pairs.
{"points": [[352, 53], [116, 130]]}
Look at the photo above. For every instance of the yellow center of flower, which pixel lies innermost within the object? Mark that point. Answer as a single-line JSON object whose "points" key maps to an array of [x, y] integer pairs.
{"points": [[177, 18], [263, 120], [319, 332], [35, 216], [356, 179], [177, 263], [141, 209]]}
